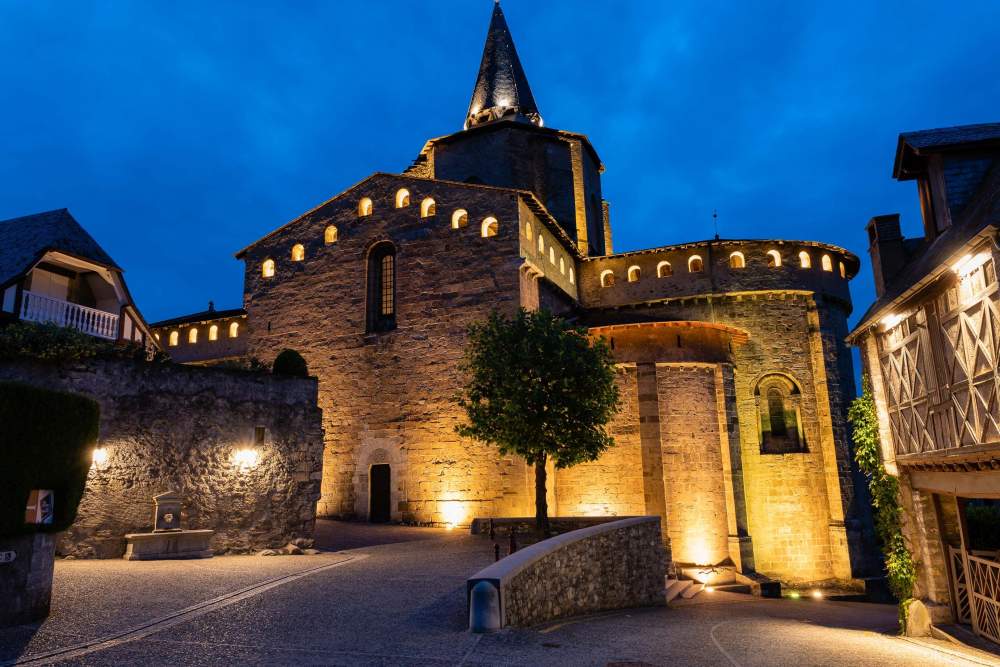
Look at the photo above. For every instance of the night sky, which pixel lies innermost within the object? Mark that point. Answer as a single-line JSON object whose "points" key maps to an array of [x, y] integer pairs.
{"points": [[178, 133]]}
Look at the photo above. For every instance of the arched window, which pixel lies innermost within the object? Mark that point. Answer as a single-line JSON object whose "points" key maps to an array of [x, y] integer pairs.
{"points": [[695, 265], [192, 335], [234, 329], [267, 268], [527, 231], [664, 270], [777, 399], [804, 261], [330, 235], [572, 276], [552, 255], [826, 263], [773, 259], [213, 332], [172, 341], [633, 274], [776, 412], [427, 208], [607, 278], [298, 252], [459, 218], [562, 266], [402, 198], [843, 270], [490, 227], [737, 260], [365, 206], [541, 245], [382, 287]]}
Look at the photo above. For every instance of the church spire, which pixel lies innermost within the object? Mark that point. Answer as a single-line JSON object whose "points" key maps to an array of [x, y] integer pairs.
{"points": [[502, 90]]}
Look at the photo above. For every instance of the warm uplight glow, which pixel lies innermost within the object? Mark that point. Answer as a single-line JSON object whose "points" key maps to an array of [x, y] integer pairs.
{"points": [[889, 321], [817, 594], [710, 589], [969, 263], [794, 595], [453, 513], [100, 456], [246, 459]]}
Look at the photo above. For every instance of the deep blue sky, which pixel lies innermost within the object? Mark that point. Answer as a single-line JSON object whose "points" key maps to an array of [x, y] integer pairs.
{"points": [[177, 133]]}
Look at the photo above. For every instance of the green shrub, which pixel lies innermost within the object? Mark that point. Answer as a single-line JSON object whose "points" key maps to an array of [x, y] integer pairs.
{"points": [[290, 362], [53, 343], [46, 442]]}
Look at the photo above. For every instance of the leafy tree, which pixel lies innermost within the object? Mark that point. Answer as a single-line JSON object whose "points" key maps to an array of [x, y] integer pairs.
{"points": [[540, 388]]}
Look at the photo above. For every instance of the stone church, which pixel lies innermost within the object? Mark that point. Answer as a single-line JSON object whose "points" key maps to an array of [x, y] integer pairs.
{"points": [[733, 369]]}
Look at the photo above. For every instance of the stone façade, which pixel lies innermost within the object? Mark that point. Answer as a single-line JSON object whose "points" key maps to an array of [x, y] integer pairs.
{"points": [[704, 334]]}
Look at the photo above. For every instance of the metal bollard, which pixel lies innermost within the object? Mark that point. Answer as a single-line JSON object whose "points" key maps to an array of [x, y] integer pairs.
{"points": [[493, 532], [513, 540], [484, 608], [496, 551]]}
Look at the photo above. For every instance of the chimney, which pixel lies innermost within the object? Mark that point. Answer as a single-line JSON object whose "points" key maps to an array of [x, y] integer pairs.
{"points": [[886, 250]]}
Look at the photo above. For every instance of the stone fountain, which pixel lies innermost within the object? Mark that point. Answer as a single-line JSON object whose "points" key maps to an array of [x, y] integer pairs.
{"points": [[168, 540]]}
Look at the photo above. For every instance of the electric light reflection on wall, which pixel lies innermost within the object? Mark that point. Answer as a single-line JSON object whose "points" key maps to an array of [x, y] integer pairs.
{"points": [[246, 459], [100, 457]]}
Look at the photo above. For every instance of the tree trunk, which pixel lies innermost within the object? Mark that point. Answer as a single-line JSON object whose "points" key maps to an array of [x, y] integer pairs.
{"points": [[541, 504]]}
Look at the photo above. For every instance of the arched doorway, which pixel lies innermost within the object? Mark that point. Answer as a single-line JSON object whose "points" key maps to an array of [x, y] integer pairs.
{"points": [[378, 484]]}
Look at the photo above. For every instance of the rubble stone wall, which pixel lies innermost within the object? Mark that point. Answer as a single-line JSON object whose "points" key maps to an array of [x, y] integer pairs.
{"points": [[167, 427]]}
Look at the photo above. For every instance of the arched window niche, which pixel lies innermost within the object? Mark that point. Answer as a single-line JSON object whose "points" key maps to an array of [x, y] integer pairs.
{"points": [[773, 259], [298, 252], [402, 198], [778, 402], [562, 265], [427, 208], [365, 206], [459, 218], [826, 263], [174, 338], [267, 268], [843, 270], [192, 335], [572, 276], [634, 273], [737, 260], [607, 278], [381, 301], [805, 261], [664, 270], [490, 227], [234, 329], [527, 231], [330, 235], [213, 332], [695, 264]]}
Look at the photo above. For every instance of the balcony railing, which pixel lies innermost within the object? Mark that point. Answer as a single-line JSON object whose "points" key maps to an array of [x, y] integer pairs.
{"points": [[40, 308]]}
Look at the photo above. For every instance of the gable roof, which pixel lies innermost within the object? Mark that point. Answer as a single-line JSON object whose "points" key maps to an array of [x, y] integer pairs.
{"points": [[203, 316], [912, 145], [24, 240]]}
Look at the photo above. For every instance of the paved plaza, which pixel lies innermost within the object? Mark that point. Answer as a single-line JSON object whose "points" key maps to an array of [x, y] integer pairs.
{"points": [[385, 595]]}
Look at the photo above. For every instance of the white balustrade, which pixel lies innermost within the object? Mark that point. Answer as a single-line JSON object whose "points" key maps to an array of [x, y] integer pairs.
{"points": [[40, 308]]}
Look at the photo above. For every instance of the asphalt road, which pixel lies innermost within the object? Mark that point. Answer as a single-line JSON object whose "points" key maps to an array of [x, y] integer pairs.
{"points": [[395, 596]]}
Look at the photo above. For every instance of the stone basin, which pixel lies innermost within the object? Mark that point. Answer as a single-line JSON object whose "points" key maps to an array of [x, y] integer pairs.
{"points": [[172, 544]]}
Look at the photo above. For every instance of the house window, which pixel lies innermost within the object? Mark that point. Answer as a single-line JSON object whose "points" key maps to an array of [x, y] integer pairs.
{"points": [[172, 341], [572, 276], [459, 218], [664, 270], [562, 266], [633, 274], [552, 255], [737, 260], [330, 235], [234, 329], [365, 206], [192, 335], [267, 268], [298, 252], [773, 259], [527, 230], [382, 287], [695, 265], [427, 208], [607, 278], [827, 263], [804, 261], [541, 245], [402, 198], [213, 332], [490, 227]]}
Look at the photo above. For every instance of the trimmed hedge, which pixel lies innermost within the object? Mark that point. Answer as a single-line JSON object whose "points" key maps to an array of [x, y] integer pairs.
{"points": [[290, 362], [55, 344], [46, 442]]}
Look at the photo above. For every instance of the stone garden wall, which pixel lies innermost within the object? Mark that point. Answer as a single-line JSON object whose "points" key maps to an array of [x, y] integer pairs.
{"points": [[610, 566], [171, 427]]}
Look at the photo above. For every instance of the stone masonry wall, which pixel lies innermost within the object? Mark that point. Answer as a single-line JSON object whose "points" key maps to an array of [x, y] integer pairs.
{"points": [[170, 427]]}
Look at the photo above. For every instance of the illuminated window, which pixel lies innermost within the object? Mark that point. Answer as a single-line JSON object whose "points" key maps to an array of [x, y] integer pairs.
{"points": [[213, 332], [192, 335], [427, 208], [572, 276], [365, 206], [552, 255], [607, 278], [234, 329], [562, 266], [541, 245], [267, 268], [633, 274], [527, 230], [402, 198], [172, 341], [459, 218], [664, 270], [773, 259], [382, 287], [804, 261], [298, 252], [843, 270], [695, 265], [157, 336], [826, 263], [737, 260], [330, 235], [490, 227]]}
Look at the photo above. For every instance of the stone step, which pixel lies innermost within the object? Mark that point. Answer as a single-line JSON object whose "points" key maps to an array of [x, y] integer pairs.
{"points": [[692, 590], [675, 587]]}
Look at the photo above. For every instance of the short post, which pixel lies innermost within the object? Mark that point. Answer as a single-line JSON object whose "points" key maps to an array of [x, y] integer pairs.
{"points": [[493, 532], [496, 551], [484, 607], [513, 539]]}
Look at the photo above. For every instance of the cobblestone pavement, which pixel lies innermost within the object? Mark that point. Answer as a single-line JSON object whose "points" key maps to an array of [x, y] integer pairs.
{"points": [[395, 596]]}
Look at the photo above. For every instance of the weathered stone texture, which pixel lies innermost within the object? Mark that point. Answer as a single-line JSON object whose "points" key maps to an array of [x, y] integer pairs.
{"points": [[170, 427]]}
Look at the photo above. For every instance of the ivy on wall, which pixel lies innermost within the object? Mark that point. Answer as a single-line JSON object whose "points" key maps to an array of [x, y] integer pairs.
{"points": [[885, 499]]}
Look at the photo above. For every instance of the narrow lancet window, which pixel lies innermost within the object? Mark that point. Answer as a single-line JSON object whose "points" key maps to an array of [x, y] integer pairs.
{"points": [[382, 287]]}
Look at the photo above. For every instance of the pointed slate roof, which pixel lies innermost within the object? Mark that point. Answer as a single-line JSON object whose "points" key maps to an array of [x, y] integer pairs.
{"points": [[501, 89], [24, 240]]}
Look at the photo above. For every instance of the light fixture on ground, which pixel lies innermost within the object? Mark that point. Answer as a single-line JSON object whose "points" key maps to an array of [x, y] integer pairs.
{"points": [[817, 594], [453, 513], [246, 459], [100, 456]]}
